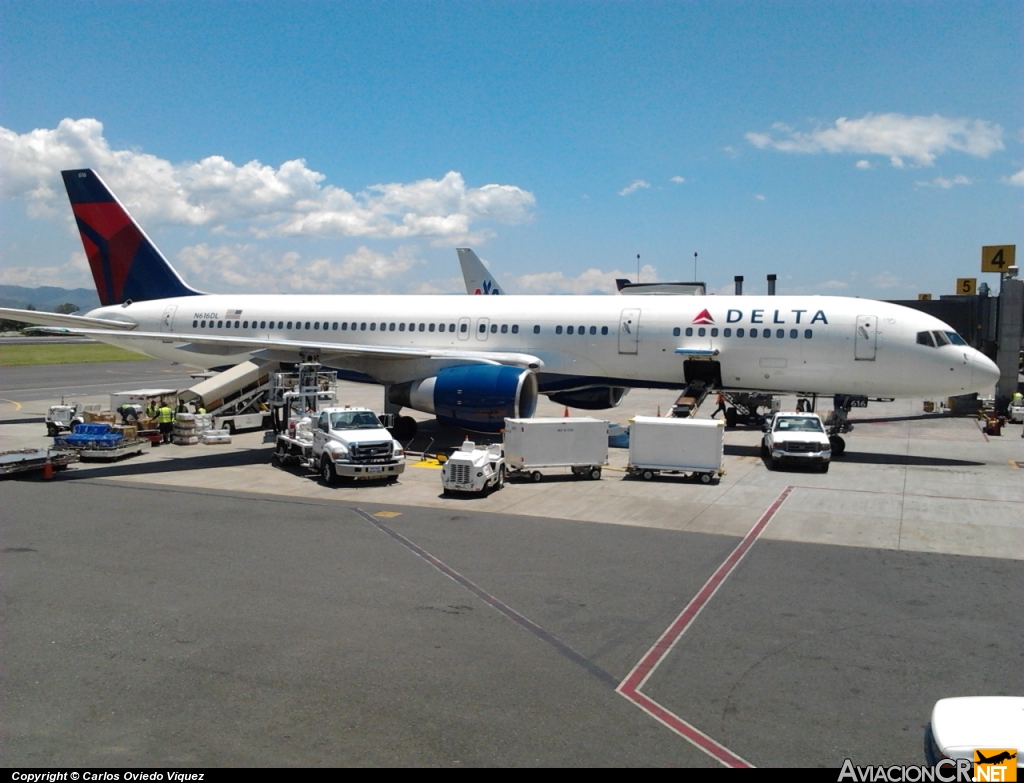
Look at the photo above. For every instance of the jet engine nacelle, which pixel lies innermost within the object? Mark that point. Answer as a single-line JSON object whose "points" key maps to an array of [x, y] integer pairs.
{"points": [[474, 396], [591, 398]]}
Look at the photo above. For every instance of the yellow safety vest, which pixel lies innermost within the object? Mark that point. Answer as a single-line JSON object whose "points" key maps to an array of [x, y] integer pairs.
{"points": [[165, 416]]}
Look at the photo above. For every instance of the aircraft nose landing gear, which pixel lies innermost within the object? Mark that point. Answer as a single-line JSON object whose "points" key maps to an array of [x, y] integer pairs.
{"points": [[837, 421]]}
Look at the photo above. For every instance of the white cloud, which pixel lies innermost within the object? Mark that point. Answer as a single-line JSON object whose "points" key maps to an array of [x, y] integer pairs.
{"points": [[886, 280], [678, 180], [590, 282], [243, 268], [946, 182], [759, 196], [832, 285], [74, 273], [1016, 179], [289, 200], [803, 287], [634, 186], [863, 164], [897, 136]]}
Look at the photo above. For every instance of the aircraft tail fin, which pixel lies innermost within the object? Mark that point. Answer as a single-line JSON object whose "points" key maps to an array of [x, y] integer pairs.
{"points": [[125, 263], [478, 279]]}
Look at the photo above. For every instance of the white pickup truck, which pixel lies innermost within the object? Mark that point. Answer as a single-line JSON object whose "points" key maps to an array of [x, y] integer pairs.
{"points": [[346, 443], [798, 438]]}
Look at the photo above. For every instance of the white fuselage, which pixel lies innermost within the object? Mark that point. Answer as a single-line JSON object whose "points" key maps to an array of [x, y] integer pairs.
{"points": [[814, 345]]}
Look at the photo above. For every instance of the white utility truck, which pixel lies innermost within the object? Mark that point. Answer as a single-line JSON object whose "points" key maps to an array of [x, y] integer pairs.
{"points": [[579, 443], [691, 446], [342, 443], [314, 431], [473, 468]]}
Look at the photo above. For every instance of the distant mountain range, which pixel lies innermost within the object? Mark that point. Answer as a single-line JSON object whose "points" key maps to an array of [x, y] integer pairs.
{"points": [[47, 297]]}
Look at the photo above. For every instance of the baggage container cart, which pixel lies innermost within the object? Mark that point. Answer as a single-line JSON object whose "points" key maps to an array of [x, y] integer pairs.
{"points": [[579, 443], [688, 446]]}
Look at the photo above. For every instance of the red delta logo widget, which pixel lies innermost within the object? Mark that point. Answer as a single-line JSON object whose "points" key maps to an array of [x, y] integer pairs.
{"points": [[704, 317]]}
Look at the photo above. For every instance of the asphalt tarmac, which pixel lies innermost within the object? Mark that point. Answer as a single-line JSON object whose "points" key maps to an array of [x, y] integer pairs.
{"points": [[26, 383], [156, 616]]}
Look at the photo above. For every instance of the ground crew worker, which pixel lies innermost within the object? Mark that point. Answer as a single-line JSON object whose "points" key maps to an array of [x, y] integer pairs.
{"points": [[1017, 399], [720, 399], [151, 410], [182, 408], [129, 413], [165, 418]]}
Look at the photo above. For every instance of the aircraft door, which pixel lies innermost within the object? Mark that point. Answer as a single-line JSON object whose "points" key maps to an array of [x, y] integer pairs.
{"points": [[463, 328], [481, 328], [167, 322], [866, 338], [629, 331]]}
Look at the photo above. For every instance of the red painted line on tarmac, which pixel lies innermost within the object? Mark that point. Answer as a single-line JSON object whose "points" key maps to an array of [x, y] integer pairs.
{"points": [[635, 680]]}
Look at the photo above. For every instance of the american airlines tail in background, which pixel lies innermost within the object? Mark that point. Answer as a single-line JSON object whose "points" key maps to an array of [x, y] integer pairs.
{"points": [[478, 279]]}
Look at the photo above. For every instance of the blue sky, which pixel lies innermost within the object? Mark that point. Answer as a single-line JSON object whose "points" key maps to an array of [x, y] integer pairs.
{"points": [[863, 149]]}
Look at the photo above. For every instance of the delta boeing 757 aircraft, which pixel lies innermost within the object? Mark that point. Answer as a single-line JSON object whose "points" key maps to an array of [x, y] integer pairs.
{"points": [[473, 360]]}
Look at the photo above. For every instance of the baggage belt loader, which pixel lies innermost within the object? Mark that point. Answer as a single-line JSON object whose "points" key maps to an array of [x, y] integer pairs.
{"points": [[579, 443], [691, 446]]}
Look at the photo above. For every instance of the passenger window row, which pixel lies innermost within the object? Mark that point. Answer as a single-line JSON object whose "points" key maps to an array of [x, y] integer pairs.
{"points": [[741, 332], [504, 328], [577, 330], [361, 326]]}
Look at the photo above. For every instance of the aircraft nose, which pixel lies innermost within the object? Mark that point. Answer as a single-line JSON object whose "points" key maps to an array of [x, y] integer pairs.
{"points": [[984, 372]]}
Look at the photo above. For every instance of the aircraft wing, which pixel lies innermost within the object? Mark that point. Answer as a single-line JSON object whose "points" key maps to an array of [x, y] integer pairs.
{"points": [[57, 319], [226, 346]]}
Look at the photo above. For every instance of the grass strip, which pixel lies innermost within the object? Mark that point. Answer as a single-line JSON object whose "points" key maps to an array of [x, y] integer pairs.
{"points": [[64, 353]]}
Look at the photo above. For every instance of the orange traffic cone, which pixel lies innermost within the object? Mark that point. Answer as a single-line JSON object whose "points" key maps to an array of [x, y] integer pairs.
{"points": [[566, 414], [47, 470]]}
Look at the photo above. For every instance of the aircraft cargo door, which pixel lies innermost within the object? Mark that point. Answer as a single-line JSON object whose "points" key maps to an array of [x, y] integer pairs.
{"points": [[629, 331], [866, 338]]}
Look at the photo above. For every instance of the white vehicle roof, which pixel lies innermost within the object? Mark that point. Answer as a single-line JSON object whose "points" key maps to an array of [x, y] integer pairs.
{"points": [[962, 725]]}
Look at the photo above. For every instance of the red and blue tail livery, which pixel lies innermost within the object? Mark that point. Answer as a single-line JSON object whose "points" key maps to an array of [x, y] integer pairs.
{"points": [[126, 265]]}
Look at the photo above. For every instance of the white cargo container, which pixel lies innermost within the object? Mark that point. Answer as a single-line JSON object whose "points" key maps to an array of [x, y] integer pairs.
{"points": [[579, 443], [693, 446]]}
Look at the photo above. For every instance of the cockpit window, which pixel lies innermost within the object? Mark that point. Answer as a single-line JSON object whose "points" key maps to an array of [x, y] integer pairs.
{"points": [[940, 339], [955, 338], [925, 338]]}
